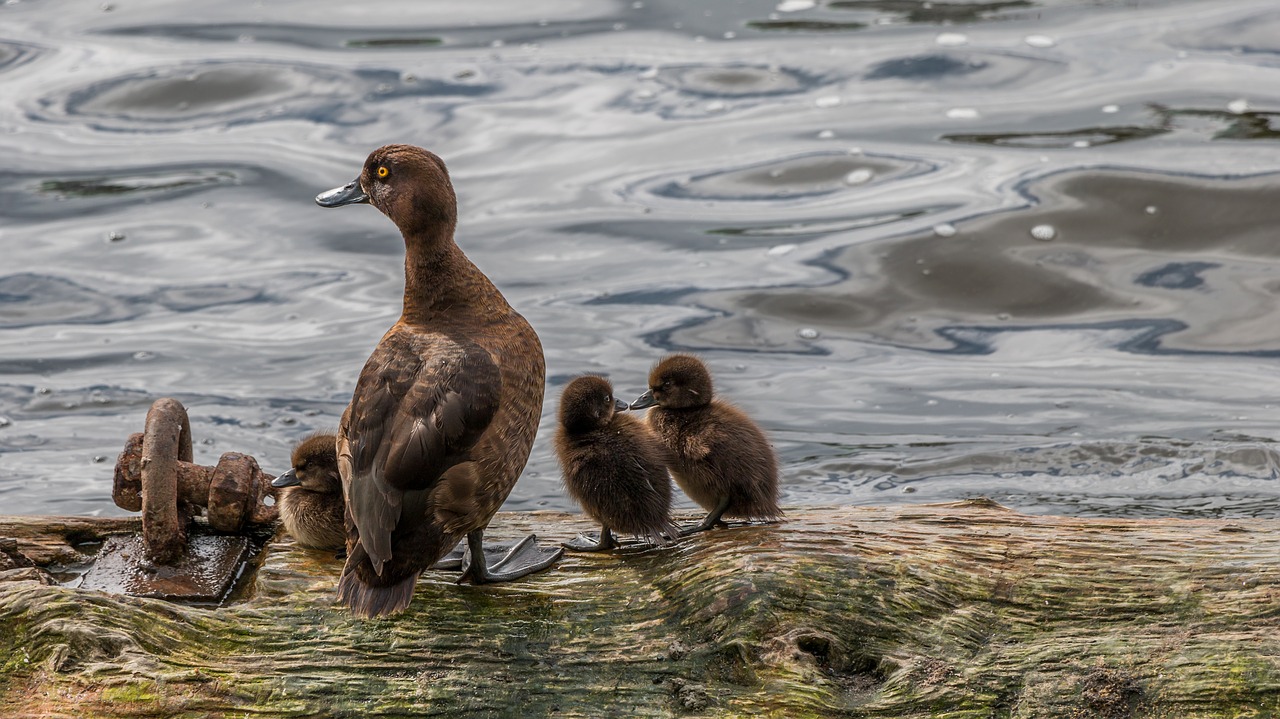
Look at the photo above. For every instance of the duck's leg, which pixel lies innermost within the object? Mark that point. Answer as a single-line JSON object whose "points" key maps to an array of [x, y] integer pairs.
{"points": [[711, 520], [587, 543], [524, 558]]}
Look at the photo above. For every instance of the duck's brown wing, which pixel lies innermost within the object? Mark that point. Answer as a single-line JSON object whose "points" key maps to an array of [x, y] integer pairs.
{"points": [[419, 406]]}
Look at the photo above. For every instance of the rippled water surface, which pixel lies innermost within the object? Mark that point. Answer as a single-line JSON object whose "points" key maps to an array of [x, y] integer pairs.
{"points": [[1026, 249]]}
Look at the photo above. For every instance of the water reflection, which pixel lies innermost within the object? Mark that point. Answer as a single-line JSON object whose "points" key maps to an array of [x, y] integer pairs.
{"points": [[1021, 249], [927, 11], [1120, 250]]}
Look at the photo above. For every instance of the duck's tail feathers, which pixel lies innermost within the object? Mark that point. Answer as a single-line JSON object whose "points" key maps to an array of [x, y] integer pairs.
{"points": [[370, 601]]}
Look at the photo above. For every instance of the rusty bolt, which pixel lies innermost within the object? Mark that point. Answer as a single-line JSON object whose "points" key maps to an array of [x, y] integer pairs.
{"points": [[155, 474]]}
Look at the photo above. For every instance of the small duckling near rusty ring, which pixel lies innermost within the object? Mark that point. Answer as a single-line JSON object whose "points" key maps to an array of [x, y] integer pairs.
{"points": [[613, 466], [311, 502]]}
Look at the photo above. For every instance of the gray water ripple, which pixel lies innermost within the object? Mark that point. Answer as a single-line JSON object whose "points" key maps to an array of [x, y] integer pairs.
{"points": [[798, 177], [233, 93]]}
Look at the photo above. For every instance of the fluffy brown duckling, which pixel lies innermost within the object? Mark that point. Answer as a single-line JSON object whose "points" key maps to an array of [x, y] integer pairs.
{"points": [[720, 457], [613, 466], [446, 408], [311, 504]]}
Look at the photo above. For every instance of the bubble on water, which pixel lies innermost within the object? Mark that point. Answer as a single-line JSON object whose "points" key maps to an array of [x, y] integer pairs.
{"points": [[780, 250], [619, 26], [637, 5], [1003, 316], [143, 356], [1081, 143], [854, 151], [1152, 209], [497, 43], [1111, 109], [951, 39], [44, 390], [115, 236], [5, 422], [796, 5], [828, 101], [730, 35], [1044, 233], [926, 272], [826, 135], [1238, 107], [807, 333], [649, 72], [963, 113], [1039, 41], [946, 229], [645, 94], [715, 106], [99, 458], [859, 177], [932, 402]]}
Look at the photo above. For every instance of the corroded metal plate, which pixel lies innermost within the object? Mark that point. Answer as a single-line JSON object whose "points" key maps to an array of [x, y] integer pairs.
{"points": [[205, 573]]}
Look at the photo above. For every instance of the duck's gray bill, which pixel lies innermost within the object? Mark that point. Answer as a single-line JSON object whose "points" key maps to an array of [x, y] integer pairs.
{"points": [[620, 405], [288, 479], [349, 194], [644, 400]]}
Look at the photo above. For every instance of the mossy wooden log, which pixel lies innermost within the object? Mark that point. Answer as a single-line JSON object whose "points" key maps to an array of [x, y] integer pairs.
{"points": [[965, 610]]}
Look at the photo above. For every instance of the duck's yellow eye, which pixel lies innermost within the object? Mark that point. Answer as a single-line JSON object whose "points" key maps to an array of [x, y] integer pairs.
{"points": [[383, 172]]}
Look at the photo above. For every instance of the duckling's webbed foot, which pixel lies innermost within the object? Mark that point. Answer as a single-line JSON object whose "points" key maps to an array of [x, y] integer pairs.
{"points": [[587, 543], [712, 520], [526, 557]]}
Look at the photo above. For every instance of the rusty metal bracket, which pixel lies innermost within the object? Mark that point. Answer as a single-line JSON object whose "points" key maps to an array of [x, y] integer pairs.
{"points": [[155, 474]]}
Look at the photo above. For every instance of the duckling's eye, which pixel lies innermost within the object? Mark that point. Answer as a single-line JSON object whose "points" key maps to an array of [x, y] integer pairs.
{"points": [[383, 171]]}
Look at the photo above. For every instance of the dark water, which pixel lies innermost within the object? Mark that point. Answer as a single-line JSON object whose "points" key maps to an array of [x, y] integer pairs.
{"points": [[1025, 249]]}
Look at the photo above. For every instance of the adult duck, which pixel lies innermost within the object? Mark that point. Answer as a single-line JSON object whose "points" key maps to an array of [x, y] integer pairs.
{"points": [[446, 408]]}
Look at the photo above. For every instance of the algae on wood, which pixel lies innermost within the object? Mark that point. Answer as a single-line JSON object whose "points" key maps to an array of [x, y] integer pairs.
{"points": [[965, 610]]}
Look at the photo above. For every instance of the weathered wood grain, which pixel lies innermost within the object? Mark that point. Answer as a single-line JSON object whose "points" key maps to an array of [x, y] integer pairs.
{"points": [[965, 610]]}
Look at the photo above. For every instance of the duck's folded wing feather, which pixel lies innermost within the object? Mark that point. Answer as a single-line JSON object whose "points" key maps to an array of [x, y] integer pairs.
{"points": [[418, 409]]}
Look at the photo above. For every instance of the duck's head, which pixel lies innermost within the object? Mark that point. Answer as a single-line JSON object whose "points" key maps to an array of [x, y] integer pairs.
{"points": [[407, 183], [315, 466], [677, 382], [587, 403]]}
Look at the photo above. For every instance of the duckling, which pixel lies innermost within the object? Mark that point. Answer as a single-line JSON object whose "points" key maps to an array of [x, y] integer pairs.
{"points": [[613, 466], [311, 504], [720, 457], [446, 408]]}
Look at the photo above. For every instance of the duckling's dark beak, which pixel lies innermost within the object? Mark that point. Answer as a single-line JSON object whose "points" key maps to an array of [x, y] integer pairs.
{"points": [[349, 194], [288, 479], [620, 405], [644, 400]]}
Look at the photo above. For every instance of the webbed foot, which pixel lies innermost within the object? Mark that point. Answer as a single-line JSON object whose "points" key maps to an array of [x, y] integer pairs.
{"points": [[526, 557], [492, 553], [588, 543]]}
